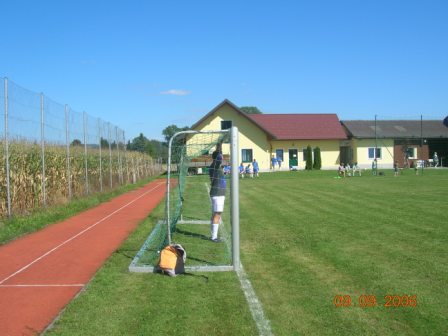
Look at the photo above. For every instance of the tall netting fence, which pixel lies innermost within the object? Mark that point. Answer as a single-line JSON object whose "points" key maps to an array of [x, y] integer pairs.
{"points": [[188, 211], [51, 153]]}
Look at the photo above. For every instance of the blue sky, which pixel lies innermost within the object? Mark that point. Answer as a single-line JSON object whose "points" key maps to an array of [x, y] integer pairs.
{"points": [[144, 65]]}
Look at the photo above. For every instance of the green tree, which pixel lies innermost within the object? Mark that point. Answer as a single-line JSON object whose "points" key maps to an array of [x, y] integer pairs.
{"points": [[250, 110], [317, 159], [104, 143], [158, 149], [139, 143], [169, 131], [154, 148], [76, 142], [309, 158]]}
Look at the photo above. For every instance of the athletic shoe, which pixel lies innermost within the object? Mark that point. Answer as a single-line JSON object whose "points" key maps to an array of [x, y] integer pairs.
{"points": [[216, 240]]}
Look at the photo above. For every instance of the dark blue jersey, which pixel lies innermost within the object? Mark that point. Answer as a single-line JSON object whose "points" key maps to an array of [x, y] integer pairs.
{"points": [[218, 183]]}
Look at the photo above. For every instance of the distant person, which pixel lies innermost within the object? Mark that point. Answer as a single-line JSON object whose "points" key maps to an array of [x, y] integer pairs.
{"points": [[374, 167], [396, 168], [341, 170], [356, 169], [226, 169], [279, 162], [249, 170], [273, 162], [256, 168], [241, 170], [436, 159], [348, 169]]}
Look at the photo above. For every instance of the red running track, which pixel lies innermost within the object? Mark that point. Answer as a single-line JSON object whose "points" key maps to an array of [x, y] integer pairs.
{"points": [[40, 273]]}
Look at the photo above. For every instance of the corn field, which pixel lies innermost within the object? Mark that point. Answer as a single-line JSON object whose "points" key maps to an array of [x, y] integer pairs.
{"points": [[50, 153]]}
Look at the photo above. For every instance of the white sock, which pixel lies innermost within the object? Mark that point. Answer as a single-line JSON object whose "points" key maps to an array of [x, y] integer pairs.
{"points": [[215, 228]]}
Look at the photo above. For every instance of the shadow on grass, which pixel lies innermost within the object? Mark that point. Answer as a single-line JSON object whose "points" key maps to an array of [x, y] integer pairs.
{"points": [[192, 234]]}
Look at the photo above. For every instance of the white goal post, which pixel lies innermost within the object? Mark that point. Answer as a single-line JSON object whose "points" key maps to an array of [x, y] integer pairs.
{"points": [[175, 222]]}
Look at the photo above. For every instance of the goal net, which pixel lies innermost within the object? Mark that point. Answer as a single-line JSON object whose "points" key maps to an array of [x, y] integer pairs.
{"points": [[187, 217]]}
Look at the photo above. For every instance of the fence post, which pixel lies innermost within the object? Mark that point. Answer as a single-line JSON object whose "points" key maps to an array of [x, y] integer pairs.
{"points": [[123, 143], [118, 155], [85, 151], [110, 155], [134, 177], [67, 144], [42, 145], [127, 163], [101, 158], [8, 186]]}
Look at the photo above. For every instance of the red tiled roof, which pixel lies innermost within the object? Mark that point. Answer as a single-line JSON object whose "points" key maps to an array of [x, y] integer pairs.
{"points": [[301, 126]]}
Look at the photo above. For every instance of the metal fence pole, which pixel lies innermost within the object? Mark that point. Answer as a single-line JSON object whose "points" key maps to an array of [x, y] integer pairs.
{"points": [[8, 185], [123, 148], [85, 152], [100, 136], [42, 145], [67, 143], [127, 163], [137, 164], [147, 166], [110, 155], [133, 170], [118, 156]]}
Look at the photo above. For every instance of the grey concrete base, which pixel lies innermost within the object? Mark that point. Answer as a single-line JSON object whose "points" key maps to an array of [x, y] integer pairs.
{"points": [[152, 269], [135, 268]]}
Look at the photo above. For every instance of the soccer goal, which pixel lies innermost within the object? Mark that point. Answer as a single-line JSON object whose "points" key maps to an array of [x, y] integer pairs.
{"points": [[187, 218]]}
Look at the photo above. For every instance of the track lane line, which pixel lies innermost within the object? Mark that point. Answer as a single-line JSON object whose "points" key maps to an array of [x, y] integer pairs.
{"points": [[78, 234]]}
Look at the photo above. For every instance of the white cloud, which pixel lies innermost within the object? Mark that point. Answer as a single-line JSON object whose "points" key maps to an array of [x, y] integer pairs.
{"points": [[176, 92]]}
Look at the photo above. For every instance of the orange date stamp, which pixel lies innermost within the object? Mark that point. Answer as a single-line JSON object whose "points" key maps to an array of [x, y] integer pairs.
{"points": [[369, 301]]}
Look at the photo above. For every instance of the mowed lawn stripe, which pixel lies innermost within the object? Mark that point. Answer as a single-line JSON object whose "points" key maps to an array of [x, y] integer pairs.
{"points": [[359, 237], [296, 274]]}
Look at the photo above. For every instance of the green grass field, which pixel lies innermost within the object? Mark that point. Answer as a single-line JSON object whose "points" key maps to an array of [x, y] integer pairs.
{"points": [[306, 237]]}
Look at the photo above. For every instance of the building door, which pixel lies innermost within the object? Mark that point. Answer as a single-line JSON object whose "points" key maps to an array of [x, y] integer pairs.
{"points": [[293, 159], [345, 154]]}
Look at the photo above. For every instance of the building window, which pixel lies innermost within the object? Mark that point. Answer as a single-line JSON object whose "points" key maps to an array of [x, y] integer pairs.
{"points": [[279, 154], [226, 124], [372, 153], [410, 153], [246, 155]]}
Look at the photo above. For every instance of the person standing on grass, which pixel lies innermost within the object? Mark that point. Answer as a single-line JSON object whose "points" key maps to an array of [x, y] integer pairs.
{"points": [[374, 166], [395, 168], [436, 159], [341, 170], [256, 168], [356, 169], [217, 192], [279, 162], [273, 162]]}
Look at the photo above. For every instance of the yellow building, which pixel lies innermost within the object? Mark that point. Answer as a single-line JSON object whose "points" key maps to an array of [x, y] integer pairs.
{"points": [[400, 141], [281, 136]]}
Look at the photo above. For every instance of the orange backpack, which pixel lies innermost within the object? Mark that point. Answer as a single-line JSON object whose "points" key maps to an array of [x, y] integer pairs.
{"points": [[172, 260]]}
